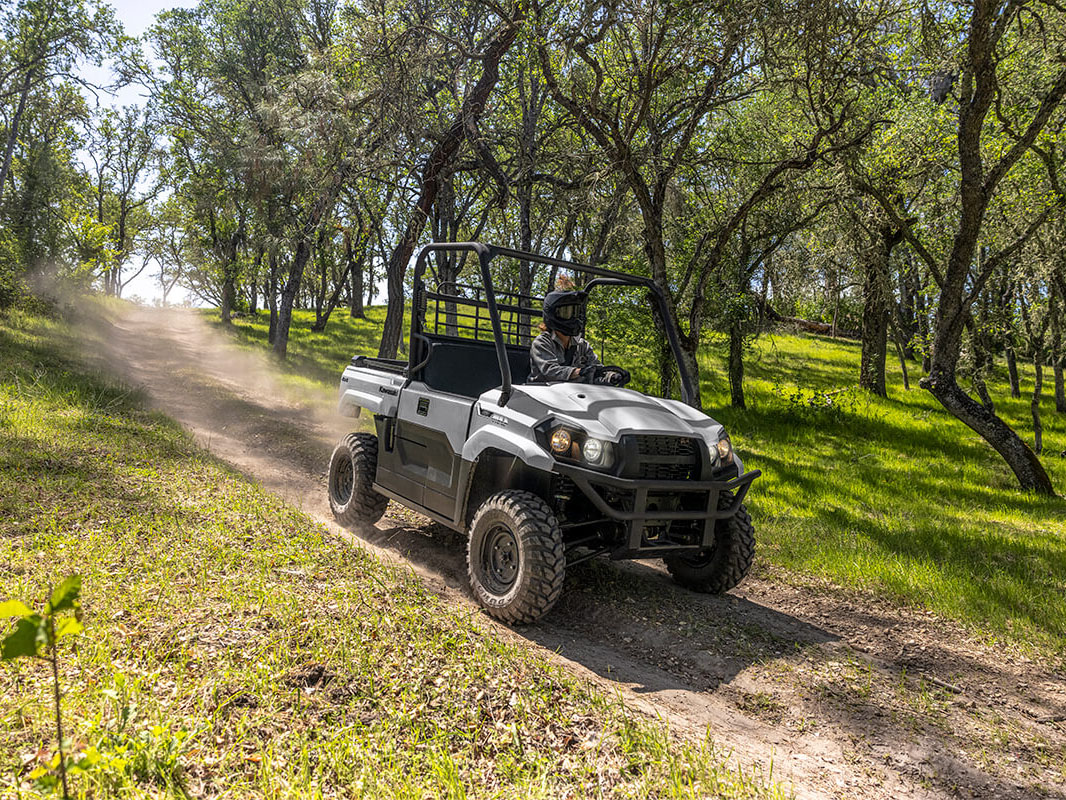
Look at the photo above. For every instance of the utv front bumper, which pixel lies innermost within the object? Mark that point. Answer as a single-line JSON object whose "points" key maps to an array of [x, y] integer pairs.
{"points": [[638, 504]]}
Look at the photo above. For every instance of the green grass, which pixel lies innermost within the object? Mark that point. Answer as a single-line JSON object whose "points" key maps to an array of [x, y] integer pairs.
{"points": [[895, 495], [232, 648], [892, 496]]}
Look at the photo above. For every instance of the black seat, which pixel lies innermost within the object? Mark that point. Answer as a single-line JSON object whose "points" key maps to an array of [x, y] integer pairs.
{"points": [[470, 369]]}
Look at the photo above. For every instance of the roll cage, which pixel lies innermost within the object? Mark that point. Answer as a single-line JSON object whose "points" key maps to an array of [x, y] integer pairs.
{"points": [[509, 314]]}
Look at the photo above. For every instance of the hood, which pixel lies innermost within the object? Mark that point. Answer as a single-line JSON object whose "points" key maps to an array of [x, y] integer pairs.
{"points": [[609, 412]]}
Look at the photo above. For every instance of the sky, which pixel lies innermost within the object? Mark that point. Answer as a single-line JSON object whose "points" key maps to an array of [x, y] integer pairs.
{"points": [[136, 16]]}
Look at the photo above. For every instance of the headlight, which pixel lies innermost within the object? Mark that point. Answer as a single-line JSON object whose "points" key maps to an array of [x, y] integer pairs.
{"points": [[560, 441], [725, 449], [593, 451], [568, 442]]}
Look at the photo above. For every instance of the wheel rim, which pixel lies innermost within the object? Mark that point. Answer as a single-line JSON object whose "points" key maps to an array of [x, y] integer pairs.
{"points": [[500, 559], [343, 481], [699, 559]]}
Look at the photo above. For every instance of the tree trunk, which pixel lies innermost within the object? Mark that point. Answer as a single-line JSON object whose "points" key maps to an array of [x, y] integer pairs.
{"points": [[445, 229], [1018, 455], [874, 348], [323, 314], [527, 145], [905, 310], [977, 183], [13, 131], [923, 329], [272, 295], [322, 288], [667, 370], [230, 270], [229, 294], [1057, 357], [288, 297], [436, 165], [1012, 368], [253, 284], [875, 310], [982, 392], [902, 355], [319, 210], [655, 251], [1060, 394], [833, 292], [942, 384], [952, 314], [736, 366], [1034, 404], [369, 281], [981, 361], [525, 269], [355, 271], [689, 345]]}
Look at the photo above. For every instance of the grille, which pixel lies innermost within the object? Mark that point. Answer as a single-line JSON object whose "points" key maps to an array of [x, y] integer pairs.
{"points": [[667, 458]]}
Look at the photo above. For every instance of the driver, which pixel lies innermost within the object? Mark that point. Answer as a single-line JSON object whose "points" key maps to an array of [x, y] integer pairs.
{"points": [[559, 353]]}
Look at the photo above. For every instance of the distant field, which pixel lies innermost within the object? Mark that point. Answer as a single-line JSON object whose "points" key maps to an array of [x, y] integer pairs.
{"points": [[892, 496], [233, 649]]}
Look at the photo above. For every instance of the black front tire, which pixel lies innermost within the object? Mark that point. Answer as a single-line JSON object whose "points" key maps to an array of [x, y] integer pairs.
{"points": [[515, 557], [352, 468], [720, 568]]}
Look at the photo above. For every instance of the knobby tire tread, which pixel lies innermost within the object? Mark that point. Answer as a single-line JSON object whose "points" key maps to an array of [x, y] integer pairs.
{"points": [[536, 527], [365, 506], [727, 575]]}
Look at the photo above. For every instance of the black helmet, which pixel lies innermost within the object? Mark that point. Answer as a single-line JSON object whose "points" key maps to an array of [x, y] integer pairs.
{"points": [[565, 312]]}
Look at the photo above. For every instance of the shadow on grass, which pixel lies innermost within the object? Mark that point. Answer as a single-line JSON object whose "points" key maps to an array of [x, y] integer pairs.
{"points": [[619, 620]]}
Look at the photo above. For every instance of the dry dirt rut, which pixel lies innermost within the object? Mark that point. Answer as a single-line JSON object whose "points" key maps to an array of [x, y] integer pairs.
{"points": [[846, 696]]}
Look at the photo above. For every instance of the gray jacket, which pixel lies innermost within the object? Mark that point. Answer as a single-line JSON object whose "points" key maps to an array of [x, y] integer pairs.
{"points": [[550, 361]]}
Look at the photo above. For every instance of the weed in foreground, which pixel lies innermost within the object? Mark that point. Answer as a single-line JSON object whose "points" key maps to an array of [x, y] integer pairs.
{"points": [[37, 635]]}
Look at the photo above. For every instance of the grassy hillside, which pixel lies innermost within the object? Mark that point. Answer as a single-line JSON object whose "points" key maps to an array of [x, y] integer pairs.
{"points": [[232, 648], [893, 496]]}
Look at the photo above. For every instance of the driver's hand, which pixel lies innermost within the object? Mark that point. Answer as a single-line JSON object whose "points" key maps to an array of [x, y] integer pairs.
{"points": [[586, 374], [612, 376]]}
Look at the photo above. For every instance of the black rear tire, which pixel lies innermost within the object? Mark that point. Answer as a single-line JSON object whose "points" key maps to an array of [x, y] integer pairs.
{"points": [[515, 557], [352, 468], [720, 568]]}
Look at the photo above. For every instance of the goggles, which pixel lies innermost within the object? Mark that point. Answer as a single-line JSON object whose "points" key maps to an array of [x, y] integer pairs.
{"points": [[567, 312]]}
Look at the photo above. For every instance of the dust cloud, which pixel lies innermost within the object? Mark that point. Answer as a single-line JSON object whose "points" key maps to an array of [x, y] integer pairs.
{"points": [[235, 400]]}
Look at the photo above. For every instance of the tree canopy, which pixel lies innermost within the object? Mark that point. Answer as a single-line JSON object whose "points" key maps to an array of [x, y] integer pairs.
{"points": [[890, 170]]}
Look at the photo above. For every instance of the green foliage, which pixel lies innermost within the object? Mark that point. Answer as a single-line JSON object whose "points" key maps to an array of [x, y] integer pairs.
{"points": [[37, 634], [45, 43], [895, 496]]}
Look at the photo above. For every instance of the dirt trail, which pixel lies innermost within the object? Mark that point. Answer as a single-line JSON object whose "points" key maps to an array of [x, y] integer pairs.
{"points": [[845, 695]]}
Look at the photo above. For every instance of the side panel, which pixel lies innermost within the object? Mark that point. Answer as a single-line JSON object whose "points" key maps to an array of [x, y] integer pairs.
{"points": [[424, 464]]}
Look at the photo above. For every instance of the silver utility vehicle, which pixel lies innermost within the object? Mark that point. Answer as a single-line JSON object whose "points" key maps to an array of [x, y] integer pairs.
{"points": [[540, 475]]}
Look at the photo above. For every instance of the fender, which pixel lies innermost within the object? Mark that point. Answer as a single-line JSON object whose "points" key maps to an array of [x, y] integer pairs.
{"points": [[512, 442], [377, 392]]}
